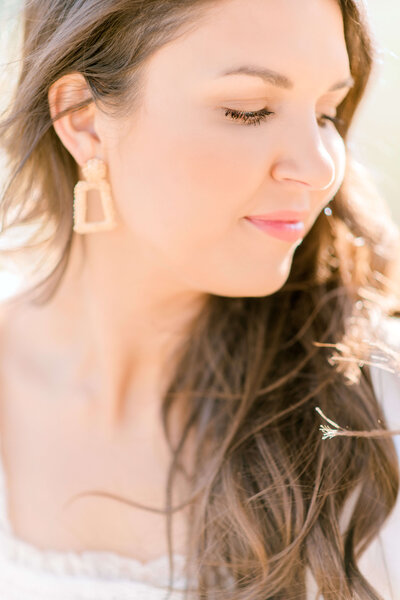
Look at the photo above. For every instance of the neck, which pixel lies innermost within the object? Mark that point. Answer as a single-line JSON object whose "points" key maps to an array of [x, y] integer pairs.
{"points": [[118, 317]]}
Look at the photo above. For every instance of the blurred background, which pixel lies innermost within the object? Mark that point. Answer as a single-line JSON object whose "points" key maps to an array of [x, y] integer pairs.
{"points": [[376, 133], [375, 138]]}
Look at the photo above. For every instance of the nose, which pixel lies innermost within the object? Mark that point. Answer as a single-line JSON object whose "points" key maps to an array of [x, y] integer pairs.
{"points": [[303, 158]]}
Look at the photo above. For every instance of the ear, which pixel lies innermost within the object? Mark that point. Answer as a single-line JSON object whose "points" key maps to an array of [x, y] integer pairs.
{"points": [[76, 129]]}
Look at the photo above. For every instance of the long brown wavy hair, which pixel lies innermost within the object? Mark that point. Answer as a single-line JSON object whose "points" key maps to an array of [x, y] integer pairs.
{"points": [[267, 489]]}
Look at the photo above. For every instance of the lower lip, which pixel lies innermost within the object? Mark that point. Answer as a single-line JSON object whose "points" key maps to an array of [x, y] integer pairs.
{"points": [[283, 230]]}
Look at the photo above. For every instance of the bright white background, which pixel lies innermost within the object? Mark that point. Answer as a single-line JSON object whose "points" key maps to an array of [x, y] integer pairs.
{"points": [[377, 129]]}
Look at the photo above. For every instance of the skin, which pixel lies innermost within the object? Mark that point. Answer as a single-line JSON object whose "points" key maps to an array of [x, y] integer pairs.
{"points": [[183, 177]]}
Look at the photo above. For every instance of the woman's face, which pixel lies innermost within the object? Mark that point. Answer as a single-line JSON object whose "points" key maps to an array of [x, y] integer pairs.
{"points": [[186, 174]]}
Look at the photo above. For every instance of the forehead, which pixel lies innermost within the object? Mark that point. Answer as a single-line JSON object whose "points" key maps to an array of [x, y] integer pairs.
{"points": [[303, 39]]}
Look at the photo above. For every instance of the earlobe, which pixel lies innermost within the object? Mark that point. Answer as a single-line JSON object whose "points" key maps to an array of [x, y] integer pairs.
{"points": [[76, 128]]}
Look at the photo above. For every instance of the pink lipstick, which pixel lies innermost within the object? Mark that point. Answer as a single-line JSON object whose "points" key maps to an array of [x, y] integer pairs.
{"points": [[287, 225]]}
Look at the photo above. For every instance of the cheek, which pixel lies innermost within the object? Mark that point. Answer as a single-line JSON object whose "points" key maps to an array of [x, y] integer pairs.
{"points": [[190, 184]]}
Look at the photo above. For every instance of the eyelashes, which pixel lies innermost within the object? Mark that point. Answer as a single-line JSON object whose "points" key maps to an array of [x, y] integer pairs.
{"points": [[335, 120], [248, 118], [257, 117]]}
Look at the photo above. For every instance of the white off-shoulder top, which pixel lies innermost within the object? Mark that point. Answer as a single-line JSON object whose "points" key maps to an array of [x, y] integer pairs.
{"points": [[29, 573]]}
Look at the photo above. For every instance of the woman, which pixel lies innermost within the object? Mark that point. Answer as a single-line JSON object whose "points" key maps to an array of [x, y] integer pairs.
{"points": [[210, 275]]}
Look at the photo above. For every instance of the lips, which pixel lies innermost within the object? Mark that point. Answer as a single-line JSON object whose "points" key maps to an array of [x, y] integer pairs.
{"points": [[288, 216], [286, 225]]}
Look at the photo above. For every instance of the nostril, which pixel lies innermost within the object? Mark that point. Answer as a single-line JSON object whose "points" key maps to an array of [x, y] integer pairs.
{"points": [[299, 181]]}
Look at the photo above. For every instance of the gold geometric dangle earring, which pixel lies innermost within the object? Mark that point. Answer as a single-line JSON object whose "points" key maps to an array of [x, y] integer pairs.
{"points": [[95, 172]]}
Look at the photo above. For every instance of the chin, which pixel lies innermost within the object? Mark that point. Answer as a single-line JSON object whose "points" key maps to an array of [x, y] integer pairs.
{"points": [[265, 286]]}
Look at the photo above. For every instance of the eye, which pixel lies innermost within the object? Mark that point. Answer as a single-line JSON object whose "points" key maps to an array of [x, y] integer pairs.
{"points": [[248, 118], [324, 118], [256, 117]]}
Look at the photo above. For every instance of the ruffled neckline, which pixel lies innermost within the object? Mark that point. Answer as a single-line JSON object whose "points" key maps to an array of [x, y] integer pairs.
{"points": [[92, 563]]}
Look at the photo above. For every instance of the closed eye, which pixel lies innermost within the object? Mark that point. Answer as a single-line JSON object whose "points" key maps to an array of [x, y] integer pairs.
{"points": [[248, 118], [335, 120], [257, 117]]}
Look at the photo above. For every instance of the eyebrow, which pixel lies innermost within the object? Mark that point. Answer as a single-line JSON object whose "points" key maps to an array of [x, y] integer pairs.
{"points": [[279, 80]]}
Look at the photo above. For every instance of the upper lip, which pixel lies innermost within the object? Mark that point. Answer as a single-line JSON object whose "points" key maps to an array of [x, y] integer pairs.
{"points": [[288, 216]]}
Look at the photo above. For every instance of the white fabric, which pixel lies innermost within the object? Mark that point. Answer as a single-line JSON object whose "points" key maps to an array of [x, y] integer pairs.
{"points": [[27, 573]]}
